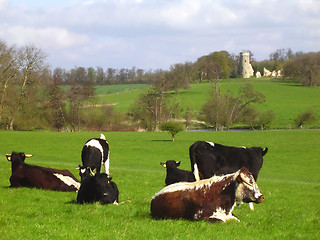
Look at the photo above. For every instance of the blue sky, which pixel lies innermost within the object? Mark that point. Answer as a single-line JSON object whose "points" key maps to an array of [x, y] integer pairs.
{"points": [[153, 34]]}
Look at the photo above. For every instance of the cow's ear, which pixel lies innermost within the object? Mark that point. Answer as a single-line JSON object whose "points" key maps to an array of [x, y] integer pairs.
{"points": [[163, 164], [246, 178], [8, 156], [109, 179]]}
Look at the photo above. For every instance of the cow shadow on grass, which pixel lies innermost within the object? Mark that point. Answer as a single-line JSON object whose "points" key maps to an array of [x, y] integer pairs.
{"points": [[164, 140], [72, 202]]}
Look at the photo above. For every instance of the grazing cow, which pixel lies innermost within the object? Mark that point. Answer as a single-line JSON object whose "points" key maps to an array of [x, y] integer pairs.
{"points": [[210, 199], [95, 152], [26, 175], [175, 174], [98, 188], [209, 159]]}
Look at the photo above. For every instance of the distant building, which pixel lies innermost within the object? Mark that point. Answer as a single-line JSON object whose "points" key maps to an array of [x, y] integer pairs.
{"points": [[245, 66]]}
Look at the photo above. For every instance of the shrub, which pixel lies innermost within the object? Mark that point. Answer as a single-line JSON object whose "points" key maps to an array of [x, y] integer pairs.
{"points": [[172, 127], [306, 117]]}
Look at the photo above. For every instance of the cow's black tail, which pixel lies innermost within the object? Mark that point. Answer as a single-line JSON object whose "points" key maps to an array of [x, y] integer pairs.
{"points": [[192, 155]]}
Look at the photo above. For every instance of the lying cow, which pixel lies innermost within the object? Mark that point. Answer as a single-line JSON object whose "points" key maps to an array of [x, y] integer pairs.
{"points": [[211, 199], [98, 188], [209, 159], [26, 175], [174, 174], [94, 153]]}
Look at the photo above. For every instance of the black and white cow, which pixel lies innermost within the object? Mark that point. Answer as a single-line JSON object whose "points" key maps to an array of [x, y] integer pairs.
{"points": [[84, 172], [174, 174], [98, 188], [210, 199], [94, 153], [33, 176], [209, 159]]}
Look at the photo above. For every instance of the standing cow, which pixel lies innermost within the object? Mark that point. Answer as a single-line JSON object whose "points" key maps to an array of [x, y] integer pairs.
{"points": [[95, 153], [209, 159], [210, 199], [27, 175]]}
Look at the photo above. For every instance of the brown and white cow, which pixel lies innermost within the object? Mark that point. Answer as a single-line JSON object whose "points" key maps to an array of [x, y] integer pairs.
{"points": [[26, 175], [211, 199]]}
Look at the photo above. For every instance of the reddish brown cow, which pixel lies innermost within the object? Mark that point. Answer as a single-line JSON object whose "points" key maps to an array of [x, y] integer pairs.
{"points": [[211, 199], [26, 175]]}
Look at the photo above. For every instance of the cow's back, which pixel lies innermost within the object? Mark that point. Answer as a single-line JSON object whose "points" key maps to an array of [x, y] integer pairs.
{"points": [[39, 177], [214, 159]]}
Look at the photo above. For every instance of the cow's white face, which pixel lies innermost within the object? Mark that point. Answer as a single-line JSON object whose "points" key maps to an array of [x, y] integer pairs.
{"points": [[247, 190]]}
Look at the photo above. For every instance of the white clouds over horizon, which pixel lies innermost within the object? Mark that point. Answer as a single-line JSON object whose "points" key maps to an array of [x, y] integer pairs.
{"points": [[156, 34]]}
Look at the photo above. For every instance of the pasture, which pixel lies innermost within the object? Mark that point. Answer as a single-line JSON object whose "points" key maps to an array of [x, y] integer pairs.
{"points": [[286, 99], [289, 180]]}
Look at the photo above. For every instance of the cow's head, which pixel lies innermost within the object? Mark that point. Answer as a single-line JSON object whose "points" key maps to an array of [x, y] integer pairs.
{"points": [[17, 157], [84, 172], [104, 188], [247, 190], [170, 164]]}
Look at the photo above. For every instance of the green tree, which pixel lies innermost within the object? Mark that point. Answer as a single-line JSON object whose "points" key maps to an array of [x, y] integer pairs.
{"points": [[31, 63], [225, 110], [172, 127], [57, 101], [306, 117], [305, 69], [151, 109]]}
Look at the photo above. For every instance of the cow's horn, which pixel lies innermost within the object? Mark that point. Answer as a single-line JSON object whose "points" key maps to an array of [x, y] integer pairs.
{"points": [[28, 155]]}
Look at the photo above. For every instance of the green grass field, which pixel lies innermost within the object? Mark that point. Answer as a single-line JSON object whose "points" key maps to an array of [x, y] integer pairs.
{"points": [[289, 180], [286, 99]]}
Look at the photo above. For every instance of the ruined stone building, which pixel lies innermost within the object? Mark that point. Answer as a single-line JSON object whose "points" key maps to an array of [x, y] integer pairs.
{"points": [[246, 69]]}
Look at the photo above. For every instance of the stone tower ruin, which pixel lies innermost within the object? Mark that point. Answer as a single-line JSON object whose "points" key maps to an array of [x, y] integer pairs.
{"points": [[246, 69]]}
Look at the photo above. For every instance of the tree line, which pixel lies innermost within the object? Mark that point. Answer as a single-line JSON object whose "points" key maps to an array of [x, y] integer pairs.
{"points": [[32, 95]]}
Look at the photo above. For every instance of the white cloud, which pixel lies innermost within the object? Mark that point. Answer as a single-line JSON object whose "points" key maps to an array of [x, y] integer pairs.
{"points": [[124, 33], [48, 37], [3, 4]]}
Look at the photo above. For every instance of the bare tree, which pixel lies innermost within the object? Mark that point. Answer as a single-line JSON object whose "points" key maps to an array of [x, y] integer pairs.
{"points": [[8, 72], [30, 64], [225, 110]]}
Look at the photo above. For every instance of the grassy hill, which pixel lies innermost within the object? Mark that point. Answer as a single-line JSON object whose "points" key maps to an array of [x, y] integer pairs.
{"points": [[286, 99]]}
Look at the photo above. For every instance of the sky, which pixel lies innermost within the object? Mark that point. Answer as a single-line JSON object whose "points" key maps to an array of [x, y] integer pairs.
{"points": [[155, 34]]}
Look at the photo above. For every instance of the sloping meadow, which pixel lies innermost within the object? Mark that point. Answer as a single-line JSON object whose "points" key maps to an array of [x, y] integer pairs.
{"points": [[289, 180]]}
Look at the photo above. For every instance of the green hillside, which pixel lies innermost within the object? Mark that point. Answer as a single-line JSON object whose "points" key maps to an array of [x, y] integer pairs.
{"points": [[286, 99]]}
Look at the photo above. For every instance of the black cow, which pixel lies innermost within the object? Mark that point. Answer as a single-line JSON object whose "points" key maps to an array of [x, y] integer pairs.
{"points": [[84, 172], [175, 174], [94, 153], [209, 159], [98, 188], [26, 175]]}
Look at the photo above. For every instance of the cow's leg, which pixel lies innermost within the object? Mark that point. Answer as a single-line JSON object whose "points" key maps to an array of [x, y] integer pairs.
{"points": [[106, 166], [251, 206], [196, 172]]}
